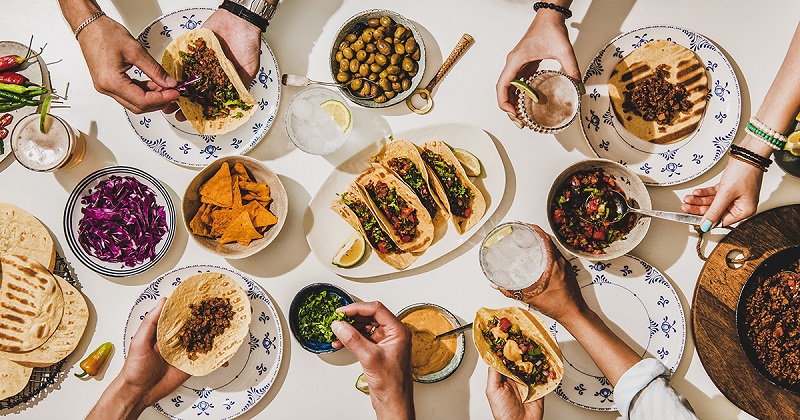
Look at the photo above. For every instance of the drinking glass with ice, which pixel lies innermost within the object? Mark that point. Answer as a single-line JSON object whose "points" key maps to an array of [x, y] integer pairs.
{"points": [[513, 256], [318, 121]]}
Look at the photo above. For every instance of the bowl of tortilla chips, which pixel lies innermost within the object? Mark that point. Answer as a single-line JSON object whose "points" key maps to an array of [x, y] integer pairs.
{"points": [[235, 207]]}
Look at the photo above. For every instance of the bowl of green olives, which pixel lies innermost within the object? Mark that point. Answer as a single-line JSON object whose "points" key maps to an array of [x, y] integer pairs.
{"points": [[379, 57]]}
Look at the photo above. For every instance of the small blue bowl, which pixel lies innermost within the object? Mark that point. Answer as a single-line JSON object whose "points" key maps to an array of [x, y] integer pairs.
{"points": [[316, 347]]}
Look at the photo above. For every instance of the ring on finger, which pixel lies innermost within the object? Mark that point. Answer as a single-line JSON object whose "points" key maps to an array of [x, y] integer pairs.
{"points": [[517, 295], [372, 330]]}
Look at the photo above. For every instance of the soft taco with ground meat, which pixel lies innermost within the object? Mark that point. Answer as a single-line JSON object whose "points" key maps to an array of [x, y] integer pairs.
{"points": [[397, 208], [463, 200], [353, 208], [218, 102], [203, 323], [515, 343], [402, 158]]}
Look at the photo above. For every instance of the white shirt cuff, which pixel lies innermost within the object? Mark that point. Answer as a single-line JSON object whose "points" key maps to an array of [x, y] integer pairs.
{"points": [[634, 380]]}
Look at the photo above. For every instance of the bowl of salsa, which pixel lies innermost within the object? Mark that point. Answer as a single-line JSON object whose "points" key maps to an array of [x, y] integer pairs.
{"points": [[582, 217]]}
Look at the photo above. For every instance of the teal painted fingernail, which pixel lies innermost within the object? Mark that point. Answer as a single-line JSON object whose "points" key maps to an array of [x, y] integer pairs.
{"points": [[518, 124], [706, 226], [582, 88]]}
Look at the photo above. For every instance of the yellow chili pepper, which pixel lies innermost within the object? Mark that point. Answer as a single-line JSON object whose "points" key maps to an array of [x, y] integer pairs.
{"points": [[97, 359]]}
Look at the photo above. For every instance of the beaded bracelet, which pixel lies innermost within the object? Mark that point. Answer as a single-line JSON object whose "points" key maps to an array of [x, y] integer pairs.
{"points": [[751, 155], [542, 4], [741, 159], [760, 130]]}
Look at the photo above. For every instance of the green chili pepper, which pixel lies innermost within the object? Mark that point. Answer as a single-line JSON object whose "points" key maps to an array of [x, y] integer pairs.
{"points": [[8, 87], [16, 97], [97, 359], [11, 106]]}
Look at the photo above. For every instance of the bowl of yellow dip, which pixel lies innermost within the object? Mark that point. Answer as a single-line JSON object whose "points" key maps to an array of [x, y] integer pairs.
{"points": [[433, 360]]}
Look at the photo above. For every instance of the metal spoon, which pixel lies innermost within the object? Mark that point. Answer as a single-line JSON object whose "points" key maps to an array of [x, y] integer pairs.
{"points": [[454, 330], [616, 200]]}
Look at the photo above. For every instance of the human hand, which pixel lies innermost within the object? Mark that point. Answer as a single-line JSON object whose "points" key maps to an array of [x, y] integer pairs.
{"points": [[562, 297], [241, 43], [734, 198], [506, 402], [145, 373], [110, 51], [547, 37], [385, 356]]}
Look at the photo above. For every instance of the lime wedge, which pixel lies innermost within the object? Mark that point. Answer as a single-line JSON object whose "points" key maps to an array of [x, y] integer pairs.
{"points": [[43, 113], [470, 162], [497, 236], [351, 252], [361, 384], [526, 88], [793, 143], [339, 112]]}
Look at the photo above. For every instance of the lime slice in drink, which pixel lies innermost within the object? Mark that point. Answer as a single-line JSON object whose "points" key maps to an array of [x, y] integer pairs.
{"points": [[497, 236], [43, 113], [361, 384], [339, 112], [471, 164], [793, 143], [526, 88], [351, 252]]}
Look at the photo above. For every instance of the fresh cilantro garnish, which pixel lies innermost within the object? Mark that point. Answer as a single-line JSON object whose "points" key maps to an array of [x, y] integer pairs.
{"points": [[317, 313]]}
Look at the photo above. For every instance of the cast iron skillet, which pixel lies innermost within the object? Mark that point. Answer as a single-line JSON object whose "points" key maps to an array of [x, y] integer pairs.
{"points": [[776, 262]]}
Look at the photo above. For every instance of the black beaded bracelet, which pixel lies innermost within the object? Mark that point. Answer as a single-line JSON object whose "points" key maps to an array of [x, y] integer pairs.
{"points": [[245, 14], [750, 155], [542, 4]]}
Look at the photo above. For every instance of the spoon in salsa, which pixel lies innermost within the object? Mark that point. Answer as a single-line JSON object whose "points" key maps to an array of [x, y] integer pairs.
{"points": [[620, 208]]}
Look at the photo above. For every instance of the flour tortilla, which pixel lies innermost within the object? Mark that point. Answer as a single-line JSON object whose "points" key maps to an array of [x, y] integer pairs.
{"points": [[172, 63], [23, 234], [532, 327], [13, 378], [424, 237], [405, 149], [32, 304], [176, 312], [67, 336], [400, 260], [478, 202], [684, 67]]}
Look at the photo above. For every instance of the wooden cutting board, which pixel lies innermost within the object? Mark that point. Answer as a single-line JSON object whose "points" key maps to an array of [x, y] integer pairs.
{"points": [[714, 313]]}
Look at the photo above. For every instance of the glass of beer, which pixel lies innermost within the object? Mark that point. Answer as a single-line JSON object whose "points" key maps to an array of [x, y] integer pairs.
{"points": [[557, 106], [513, 256], [58, 146]]}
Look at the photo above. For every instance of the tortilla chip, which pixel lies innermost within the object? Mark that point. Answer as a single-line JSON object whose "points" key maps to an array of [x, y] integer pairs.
{"points": [[241, 171], [219, 189], [207, 216], [197, 226], [255, 191], [221, 219], [261, 217], [240, 230], [237, 193]]}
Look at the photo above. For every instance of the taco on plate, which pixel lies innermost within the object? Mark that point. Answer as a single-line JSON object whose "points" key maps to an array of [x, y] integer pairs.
{"points": [[353, 208], [218, 102], [515, 343], [397, 208], [402, 158], [203, 323], [463, 200]]}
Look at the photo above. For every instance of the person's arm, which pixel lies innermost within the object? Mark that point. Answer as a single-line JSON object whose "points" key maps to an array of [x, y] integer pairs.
{"points": [[383, 347], [736, 195], [145, 377], [547, 37]]}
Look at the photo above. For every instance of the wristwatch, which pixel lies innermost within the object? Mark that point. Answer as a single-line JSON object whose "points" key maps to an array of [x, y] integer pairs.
{"points": [[257, 12]]}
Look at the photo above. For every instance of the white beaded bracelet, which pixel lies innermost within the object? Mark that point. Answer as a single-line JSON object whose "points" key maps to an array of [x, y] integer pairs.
{"points": [[763, 127]]}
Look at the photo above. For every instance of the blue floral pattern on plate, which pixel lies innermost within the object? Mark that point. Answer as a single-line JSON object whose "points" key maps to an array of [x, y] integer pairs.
{"points": [[722, 115], [652, 316], [178, 142], [228, 391]]}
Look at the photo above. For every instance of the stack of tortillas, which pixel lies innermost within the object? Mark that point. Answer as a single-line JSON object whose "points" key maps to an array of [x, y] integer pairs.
{"points": [[42, 316]]}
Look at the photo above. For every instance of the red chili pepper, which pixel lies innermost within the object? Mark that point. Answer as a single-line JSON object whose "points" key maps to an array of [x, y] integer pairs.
{"points": [[9, 62], [3, 133], [13, 78], [6, 119]]}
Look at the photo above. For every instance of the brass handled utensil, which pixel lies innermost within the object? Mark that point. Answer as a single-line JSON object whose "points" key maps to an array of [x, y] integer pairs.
{"points": [[454, 330], [301, 81], [463, 44]]}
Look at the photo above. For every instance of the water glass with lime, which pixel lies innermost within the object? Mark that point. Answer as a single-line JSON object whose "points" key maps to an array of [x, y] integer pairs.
{"points": [[318, 121], [513, 256]]}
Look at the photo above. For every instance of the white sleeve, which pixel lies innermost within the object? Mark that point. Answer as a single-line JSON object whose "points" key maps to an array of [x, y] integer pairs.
{"points": [[643, 392]]}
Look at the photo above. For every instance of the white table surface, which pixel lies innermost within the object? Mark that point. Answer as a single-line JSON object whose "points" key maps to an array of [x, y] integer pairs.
{"points": [[755, 36]]}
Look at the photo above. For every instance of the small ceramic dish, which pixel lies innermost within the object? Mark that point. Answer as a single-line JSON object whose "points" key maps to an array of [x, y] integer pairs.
{"points": [[73, 215], [257, 171], [316, 347], [634, 190], [460, 347], [357, 24]]}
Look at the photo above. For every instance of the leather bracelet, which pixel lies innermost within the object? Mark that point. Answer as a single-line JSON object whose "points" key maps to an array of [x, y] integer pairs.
{"points": [[245, 14], [751, 155], [542, 4], [749, 162]]}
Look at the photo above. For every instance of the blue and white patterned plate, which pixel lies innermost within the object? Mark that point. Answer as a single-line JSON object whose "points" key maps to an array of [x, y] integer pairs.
{"points": [[640, 305], [73, 216], [230, 390], [178, 142], [662, 164]]}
